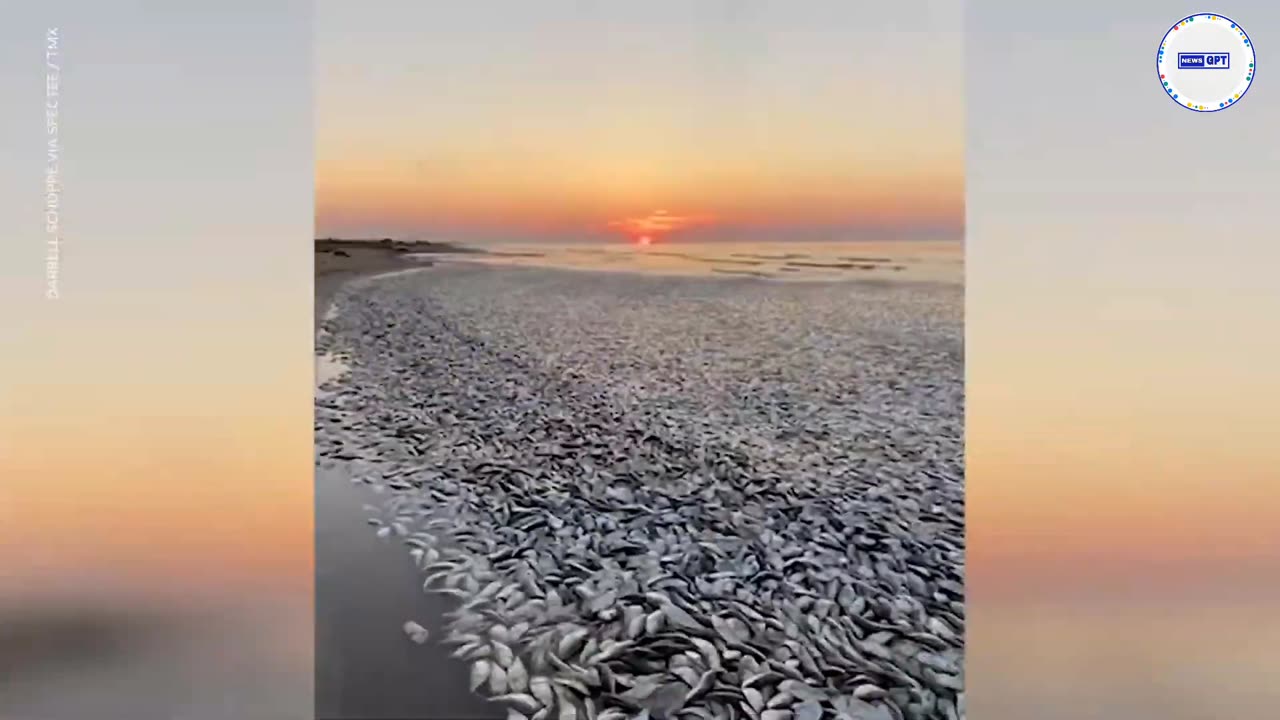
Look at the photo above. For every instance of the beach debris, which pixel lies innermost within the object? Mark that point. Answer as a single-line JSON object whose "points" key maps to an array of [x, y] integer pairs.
{"points": [[669, 498], [416, 632]]}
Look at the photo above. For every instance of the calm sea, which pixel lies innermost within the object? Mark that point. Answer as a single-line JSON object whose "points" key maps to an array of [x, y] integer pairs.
{"points": [[912, 261]]}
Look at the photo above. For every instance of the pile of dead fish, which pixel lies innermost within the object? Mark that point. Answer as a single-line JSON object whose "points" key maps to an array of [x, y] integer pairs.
{"points": [[669, 497]]}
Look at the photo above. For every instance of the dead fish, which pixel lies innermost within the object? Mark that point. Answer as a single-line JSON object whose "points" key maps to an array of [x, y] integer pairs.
{"points": [[781, 700], [502, 654], [635, 627], [434, 578], [802, 690], [708, 652], [540, 687], [571, 643], [704, 686], [497, 680], [568, 709], [686, 674], [678, 617], [490, 590], [870, 692], [725, 630], [653, 622], [571, 683], [479, 674], [603, 601], [524, 703], [518, 677], [416, 632], [610, 652], [768, 677], [472, 651], [589, 648], [696, 712]]}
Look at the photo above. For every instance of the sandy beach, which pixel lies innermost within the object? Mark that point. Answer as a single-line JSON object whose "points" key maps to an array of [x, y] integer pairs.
{"points": [[337, 261], [606, 466]]}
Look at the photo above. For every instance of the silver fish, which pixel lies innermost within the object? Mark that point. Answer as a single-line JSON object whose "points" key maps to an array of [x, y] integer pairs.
{"points": [[497, 679], [517, 676], [479, 673], [524, 703], [416, 632]]}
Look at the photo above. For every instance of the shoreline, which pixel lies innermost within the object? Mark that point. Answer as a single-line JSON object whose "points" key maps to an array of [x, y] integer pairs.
{"points": [[367, 587], [338, 262], [826, 267], [714, 275]]}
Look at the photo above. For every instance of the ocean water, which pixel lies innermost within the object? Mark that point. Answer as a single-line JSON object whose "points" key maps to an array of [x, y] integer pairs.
{"points": [[784, 261]]}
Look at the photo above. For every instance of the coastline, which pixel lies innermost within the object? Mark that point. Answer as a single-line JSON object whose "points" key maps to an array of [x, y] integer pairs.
{"points": [[682, 373], [366, 587], [832, 262], [337, 262]]}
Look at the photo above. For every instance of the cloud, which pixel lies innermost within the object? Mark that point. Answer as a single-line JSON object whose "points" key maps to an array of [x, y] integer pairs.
{"points": [[658, 222]]}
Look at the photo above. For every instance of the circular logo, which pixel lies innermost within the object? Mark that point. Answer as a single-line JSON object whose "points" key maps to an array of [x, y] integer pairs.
{"points": [[1205, 62]]}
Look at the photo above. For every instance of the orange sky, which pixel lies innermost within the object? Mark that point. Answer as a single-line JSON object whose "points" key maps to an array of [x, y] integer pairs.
{"points": [[572, 125]]}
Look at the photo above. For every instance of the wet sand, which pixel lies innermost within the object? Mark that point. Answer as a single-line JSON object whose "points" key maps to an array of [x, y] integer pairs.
{"points": [[366, 588], [338, 261]]}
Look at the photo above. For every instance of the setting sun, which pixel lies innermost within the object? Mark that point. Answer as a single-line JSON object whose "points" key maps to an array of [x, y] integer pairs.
{"points": [[678, 135], [646, 229]]}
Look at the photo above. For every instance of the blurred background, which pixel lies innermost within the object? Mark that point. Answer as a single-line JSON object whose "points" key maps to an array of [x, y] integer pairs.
{"points": [[155, 440], [1122, 394]]}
